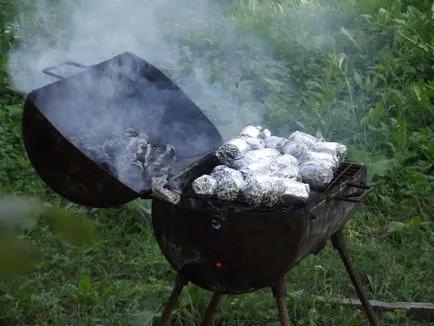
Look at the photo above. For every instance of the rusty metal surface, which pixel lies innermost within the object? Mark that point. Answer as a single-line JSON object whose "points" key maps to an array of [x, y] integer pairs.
{"points": [[236, 252], [125, 92]]}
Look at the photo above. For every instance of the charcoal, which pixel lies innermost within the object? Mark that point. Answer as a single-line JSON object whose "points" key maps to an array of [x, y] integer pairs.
{"points": [[251, 131], [263, 191], [205, 185], [315, 174], [234, 149], [254, 156], [336, 149], [156, 159], [261, 167], [254, 143], [299, 136], [229, 183], [296, 149], [274, 142], [295, 191]]}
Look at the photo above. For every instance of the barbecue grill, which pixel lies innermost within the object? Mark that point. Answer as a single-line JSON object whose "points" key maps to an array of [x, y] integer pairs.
{"points": [[223, 247]]}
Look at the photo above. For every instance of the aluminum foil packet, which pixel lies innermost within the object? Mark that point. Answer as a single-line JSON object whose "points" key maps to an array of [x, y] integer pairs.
{"points": [[229, 182], [295, 191], [251, 132], [274, 142], [328, 160], [254, 143], [263, 190], [264, 132], [296, 149], [336, 149], [255, 156], [261, 167], [299, 136], [315, 174], [205, 185], [234, 149]]}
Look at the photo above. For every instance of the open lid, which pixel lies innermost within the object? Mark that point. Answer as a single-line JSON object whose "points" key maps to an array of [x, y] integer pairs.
{"points": [[120, 93]]}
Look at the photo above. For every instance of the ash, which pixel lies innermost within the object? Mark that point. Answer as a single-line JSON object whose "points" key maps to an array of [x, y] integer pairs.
{"points": [[263, 170], [129, 156]]}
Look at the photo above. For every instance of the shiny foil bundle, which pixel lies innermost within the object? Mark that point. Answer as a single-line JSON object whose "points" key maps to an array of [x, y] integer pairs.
{"points": [[295, 191], [261, 167], [301, 137], [326, 159], [296, 149], [205, 185], [274, 142], [336, 149], [233, 150], [255, 156], [229, 182], [263, 191], [316, 174]]}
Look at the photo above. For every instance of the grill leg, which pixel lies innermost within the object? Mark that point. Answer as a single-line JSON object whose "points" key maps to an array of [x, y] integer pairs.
{"points": [[279, 294], [176, 292], [211, 309], [340, 245]]}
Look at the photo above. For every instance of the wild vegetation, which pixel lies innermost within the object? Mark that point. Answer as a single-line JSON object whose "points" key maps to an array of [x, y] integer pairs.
{"points": [[369, 69]]}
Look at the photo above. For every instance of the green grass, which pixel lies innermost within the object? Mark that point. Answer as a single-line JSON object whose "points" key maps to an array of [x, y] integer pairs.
{"points": [[370, 69]]}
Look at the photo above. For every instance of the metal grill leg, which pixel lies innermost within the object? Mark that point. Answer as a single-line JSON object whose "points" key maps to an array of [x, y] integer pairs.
{"points": [[211, 309], [279, 294], [340, 245], [176, 292]]}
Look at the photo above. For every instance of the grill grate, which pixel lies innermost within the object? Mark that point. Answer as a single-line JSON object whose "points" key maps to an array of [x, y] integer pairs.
{"points": [[346, 171]]}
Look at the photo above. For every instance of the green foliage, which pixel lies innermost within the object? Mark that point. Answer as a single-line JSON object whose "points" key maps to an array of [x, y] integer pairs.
{"points": [[359, 72]]}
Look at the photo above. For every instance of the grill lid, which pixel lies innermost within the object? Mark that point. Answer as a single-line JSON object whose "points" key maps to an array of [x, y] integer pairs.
{"points": [[120, 93]]}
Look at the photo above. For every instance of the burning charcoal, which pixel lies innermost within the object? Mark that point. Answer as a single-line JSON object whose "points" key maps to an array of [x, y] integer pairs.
{"points": [[229, 183], [254, 156], [316, 174], [234, 149], [274, 142], [261, 167], [205, 185], [296, 149], [254, 143], [295, 191], [251, 132], [263, 191], [336, 149], [298, 136]]}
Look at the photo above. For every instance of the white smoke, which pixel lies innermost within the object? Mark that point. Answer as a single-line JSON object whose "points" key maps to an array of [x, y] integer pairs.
{"points": [[92, 31]]}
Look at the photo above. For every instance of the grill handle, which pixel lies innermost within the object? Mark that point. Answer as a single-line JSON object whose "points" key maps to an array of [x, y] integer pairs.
{"points": [[357, 196], [49, 71]]}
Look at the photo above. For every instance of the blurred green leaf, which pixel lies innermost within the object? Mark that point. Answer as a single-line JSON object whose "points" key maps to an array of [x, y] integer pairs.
{"points": [[16, 256]]}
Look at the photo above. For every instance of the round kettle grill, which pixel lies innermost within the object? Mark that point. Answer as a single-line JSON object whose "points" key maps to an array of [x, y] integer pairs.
{"points": [[225, 248]]}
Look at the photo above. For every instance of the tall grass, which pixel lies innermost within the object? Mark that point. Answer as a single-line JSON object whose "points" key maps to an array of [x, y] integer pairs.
{"points": [[359, 72]]}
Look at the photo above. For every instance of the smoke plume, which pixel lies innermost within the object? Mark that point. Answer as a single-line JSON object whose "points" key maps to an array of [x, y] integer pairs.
{"points": [[183, 39]]}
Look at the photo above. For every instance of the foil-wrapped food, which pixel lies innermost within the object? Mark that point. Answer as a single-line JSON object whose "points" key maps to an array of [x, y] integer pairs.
{"points": [[315, 174], [233, 150], [229, 182], [265, 170], [255, 156], [263, 190], [205, 185]]}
